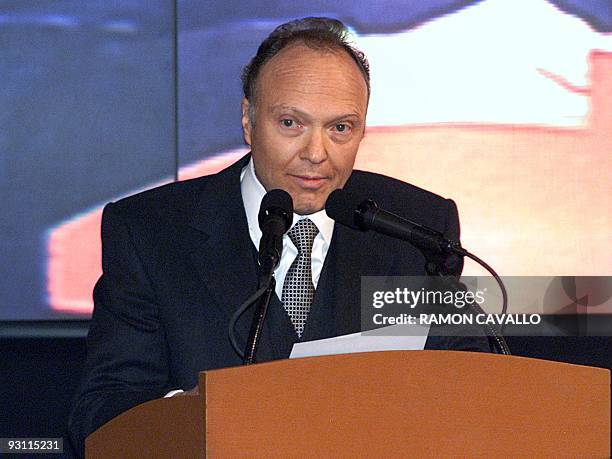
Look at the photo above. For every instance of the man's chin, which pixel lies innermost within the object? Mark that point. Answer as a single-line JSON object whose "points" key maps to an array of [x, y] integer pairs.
{"points": [[306, 203], [307, 208], [306, 211]]}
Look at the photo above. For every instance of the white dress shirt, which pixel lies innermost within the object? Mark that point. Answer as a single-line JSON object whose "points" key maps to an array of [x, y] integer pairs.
{"points": [[252, 193]]}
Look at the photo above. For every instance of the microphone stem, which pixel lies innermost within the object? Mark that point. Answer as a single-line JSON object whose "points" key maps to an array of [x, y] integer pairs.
{"points": [[437, 268], [250, 355], [498, 338]]}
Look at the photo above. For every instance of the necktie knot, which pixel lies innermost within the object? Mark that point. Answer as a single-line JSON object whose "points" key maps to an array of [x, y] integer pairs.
{"points": [[303, 235]]}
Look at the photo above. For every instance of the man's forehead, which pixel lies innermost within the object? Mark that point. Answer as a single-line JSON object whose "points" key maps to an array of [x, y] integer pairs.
{"points": [[301, 71], [302, 55]]}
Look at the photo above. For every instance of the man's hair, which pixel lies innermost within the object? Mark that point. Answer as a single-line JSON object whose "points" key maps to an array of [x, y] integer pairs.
{"points": [[316, 33]]}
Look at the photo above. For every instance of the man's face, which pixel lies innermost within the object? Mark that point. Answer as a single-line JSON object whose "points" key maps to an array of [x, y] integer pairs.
{"points": [[310, 109]]}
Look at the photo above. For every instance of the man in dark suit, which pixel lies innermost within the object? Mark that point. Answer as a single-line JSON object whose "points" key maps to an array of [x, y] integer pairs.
{"points": [[178, 260]]}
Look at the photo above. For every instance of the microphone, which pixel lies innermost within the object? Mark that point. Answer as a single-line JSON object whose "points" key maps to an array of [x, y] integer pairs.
{"points": [[350, 209], [275, 218]]}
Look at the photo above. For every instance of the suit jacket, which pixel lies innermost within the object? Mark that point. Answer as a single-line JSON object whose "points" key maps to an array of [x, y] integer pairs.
{"points": [[178, 261]]}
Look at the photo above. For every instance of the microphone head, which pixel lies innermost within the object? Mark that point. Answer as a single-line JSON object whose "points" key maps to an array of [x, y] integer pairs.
{"points": [[278, 203], [343, 206]]}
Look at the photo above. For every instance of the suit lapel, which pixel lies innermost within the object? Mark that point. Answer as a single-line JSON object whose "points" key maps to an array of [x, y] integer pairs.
{"points": [[358, 254], [337, 308], [224, 255]]}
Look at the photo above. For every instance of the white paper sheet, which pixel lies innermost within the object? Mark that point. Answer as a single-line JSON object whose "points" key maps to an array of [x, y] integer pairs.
{"points": [[393, 338]]}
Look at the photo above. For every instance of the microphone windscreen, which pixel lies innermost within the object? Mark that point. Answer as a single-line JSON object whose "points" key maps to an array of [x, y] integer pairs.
{"points": [[342, 205], [277, 202]]}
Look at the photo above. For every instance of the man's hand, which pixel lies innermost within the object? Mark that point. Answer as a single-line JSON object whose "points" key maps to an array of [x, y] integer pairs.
{"points": [[193, 391]]}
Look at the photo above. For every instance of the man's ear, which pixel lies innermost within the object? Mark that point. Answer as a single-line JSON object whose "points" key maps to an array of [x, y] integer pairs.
{"points": [[246, 121]]}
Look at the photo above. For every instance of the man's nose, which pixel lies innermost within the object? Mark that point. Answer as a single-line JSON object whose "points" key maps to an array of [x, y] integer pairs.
{"points": [[315, 150]]}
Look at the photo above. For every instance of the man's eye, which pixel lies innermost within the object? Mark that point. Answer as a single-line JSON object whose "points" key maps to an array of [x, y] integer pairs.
{"points": [[288, 123], [341, 127]]}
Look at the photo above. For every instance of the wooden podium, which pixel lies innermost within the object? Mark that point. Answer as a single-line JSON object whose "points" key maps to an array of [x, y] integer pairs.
{"points": [[381, 404]]}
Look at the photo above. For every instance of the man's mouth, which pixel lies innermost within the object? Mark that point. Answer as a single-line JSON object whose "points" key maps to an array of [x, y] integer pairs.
{"points": [[310, 182]]}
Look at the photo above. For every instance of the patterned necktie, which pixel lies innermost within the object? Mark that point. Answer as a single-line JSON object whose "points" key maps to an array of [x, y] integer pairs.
{"points": [[298, 289]]}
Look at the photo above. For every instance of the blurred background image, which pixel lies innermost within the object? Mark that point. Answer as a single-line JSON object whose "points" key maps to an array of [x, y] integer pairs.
{"points": [[503, 106]]}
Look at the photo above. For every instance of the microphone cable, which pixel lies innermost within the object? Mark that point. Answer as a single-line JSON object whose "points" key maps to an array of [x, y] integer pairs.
{"points": [[234, 320]]}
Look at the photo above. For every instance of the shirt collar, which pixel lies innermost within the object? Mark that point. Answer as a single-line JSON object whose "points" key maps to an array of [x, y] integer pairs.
{"points": [[253, 192]]}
